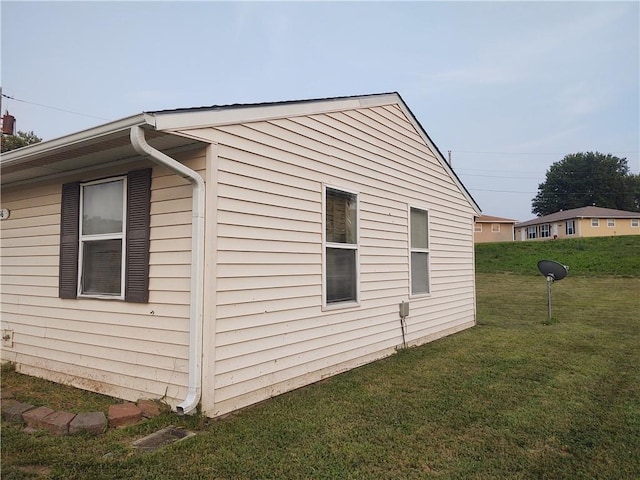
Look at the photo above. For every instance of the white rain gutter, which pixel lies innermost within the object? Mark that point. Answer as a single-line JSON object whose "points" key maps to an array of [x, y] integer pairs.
{"points": [[141, 146]]}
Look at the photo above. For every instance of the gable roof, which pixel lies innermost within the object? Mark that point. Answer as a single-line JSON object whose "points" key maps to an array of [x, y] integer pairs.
{"points": [[583, 212], [109, 143], [492, 219]]}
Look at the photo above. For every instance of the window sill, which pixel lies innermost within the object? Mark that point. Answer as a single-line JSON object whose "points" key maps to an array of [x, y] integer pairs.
{"points": [[102, 297], [419, 295], [340, 306]]}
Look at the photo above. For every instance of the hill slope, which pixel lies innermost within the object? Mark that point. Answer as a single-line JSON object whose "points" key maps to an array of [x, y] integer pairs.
{"points": [[619, 256]]}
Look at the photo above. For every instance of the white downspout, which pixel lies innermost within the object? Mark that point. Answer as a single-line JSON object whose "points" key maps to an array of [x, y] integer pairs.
{"points": [[141, 146]]}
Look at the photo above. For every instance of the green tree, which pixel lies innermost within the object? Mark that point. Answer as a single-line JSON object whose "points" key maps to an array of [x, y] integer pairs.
{"points": [[21, 139], [591, 178], [634, 187]]}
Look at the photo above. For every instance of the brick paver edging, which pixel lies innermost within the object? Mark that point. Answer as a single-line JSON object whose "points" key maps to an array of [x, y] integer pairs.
{"points": [[65, 423]]}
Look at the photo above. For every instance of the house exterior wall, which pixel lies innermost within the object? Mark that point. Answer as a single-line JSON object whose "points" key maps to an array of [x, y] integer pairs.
{"points": [[484, 232], [127, 350], [584, 228], [268, 332]]}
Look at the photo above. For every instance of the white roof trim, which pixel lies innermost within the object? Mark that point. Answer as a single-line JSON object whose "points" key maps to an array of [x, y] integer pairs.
{"points": [[195, 118], [25, 153]]}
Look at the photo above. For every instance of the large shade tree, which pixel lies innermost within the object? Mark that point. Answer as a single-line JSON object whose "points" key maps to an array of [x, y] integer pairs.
{"points": [[583, 179], [21, 139]]}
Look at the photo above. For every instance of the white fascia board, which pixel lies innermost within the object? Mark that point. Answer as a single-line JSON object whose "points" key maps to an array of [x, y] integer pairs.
{"points": [[188, 119], [438, 155], [25, 153]]}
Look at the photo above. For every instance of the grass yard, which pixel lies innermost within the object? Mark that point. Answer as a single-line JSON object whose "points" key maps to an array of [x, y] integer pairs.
{"points": [[517, 397]]}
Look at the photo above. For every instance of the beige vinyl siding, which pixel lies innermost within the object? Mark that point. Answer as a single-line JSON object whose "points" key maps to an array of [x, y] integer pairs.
{"points": [[271, 332], [123, 349]]}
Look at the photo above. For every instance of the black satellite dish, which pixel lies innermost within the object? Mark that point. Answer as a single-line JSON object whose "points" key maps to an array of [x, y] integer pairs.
{"points": [[553, 271]]}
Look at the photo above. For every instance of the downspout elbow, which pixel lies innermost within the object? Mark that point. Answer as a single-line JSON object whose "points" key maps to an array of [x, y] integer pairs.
{"points": [[139, 143]]}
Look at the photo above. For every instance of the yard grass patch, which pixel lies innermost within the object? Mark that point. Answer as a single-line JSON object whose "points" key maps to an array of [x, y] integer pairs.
{"points": [[617, 256], [512, 398]]}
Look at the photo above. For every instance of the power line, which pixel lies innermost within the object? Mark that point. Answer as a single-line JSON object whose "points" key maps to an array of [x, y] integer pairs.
{"points": [[545, 194], [53, 108], [498, 176], [530, 153]]}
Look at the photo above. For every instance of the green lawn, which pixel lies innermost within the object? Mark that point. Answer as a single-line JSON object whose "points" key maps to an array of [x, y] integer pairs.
{"points": [[516, 397], [618, 256]]}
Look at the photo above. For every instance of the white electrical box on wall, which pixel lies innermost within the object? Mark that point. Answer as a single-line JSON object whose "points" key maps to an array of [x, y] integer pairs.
{"points": [[404, 309]]}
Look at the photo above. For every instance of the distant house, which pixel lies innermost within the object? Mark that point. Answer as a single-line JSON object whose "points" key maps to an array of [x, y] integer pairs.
{"points": [[580, 222], [219, 256], [493, 229]]}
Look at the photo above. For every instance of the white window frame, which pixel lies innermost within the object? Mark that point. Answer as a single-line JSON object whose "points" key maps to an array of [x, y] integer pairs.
{"points": [[545, 230], [635, 222], [476, 228], [595, 222], [571, 227], [495, 228], [349, 246], [531, 232], [106, 236], [419, 250], [611, 222]]}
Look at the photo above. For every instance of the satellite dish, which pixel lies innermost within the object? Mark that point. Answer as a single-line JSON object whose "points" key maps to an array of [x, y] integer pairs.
{"points": [[553, 271]]}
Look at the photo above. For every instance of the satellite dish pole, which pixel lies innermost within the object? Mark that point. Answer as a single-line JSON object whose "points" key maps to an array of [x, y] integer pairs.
{"points": [[549, 282], [552, 271]]}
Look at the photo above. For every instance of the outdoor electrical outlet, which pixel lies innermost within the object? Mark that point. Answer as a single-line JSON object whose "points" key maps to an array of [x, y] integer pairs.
{"points": [[7, 338]]}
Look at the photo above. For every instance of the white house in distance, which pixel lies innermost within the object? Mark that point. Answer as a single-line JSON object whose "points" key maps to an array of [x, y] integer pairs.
{"points": [[222, 255]]}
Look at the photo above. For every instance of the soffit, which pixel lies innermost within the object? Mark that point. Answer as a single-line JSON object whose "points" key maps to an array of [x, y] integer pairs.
{"points": [[88, 154]]}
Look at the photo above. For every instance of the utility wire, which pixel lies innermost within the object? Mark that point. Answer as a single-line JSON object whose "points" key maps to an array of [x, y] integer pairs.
{"points": [[53, 108], [498, 176], [546, 193], [527, 153]]}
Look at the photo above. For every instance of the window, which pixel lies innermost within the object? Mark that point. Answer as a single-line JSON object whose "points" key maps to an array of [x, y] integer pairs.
{"points": [[595, 222], [102, 232], [341, 246], [419, 220], [104, 245], [495, 227], [571, 227], [531, 232], [477, 227], [635, 222], [611, 222], [545, 230]]}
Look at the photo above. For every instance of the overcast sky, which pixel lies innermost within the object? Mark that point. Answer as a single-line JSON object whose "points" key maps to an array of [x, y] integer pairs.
{"points": [[508, 87]]}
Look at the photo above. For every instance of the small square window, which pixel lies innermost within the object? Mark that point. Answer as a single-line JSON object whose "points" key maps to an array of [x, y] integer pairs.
{"points": [[477, 227], [611, 222], [595, 222], [635, 222], [495, 227]]}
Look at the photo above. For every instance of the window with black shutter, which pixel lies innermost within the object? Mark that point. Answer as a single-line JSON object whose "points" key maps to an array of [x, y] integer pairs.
{"points": [[104, 246]]}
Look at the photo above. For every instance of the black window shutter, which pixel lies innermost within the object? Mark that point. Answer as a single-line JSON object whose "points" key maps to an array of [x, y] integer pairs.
{"points": [[137, 241], [69, 225]]}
